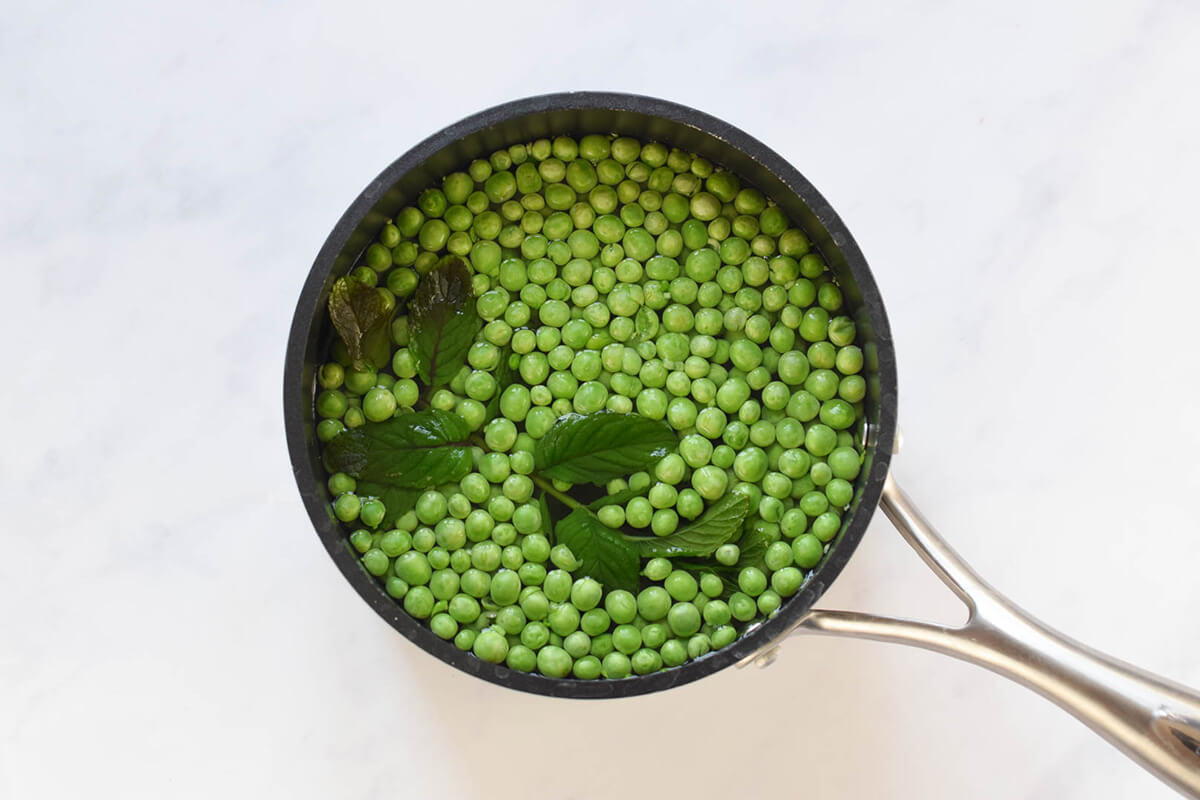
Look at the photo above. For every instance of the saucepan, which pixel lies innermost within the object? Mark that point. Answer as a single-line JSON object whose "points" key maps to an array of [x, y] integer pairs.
{"points": [[1154, 721]]}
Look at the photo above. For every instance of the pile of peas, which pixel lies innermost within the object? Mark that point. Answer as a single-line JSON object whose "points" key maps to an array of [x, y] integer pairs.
{"points": [[635, 278]]}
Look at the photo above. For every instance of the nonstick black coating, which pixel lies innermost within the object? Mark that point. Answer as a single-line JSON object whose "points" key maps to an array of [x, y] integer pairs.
{"points": [[578, 113]]}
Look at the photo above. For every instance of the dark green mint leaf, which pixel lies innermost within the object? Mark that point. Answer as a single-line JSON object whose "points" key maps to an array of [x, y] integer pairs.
{"points": [[412, 451], [594, 448], [362, 317], [396, 500], [712, 529], [753, 546], [442, 321], [603, 553]]}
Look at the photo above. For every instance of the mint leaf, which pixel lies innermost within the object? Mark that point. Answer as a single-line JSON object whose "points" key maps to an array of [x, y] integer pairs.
{"points": [[442, 321], [712, 529], [413, 451], [594, 448], [753, 547], [396, 500], [603, 553], [362, 317]]}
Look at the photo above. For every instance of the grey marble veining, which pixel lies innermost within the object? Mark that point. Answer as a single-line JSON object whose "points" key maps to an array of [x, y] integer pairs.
{"points": [[1020, 176]]}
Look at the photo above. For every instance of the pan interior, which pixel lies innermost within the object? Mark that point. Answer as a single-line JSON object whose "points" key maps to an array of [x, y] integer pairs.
{"points": [[576, 114]]}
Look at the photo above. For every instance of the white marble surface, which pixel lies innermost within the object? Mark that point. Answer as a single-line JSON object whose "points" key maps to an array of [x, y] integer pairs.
{"points": [[1022, 177]]}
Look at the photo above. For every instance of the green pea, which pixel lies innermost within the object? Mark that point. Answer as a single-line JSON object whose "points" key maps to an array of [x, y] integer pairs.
{"points": [[433, 235], [491, 646], [557, 585], [750, 464], [727, 554], [664, 521], [840, 492], [657, 568], [814, 326], [601, 645], [723, 456], [852, 388], [331, 375], [332, 404], [347, 507], [837, 414], [587, 668], [732, 395], [745, 354], [626, 639], [752, 581], [408, 221], [563, 619], [695, 450], [807, 550], [621, 606], [527, 178], [594, 622], [699, 645], [820, 440], [655, 634], [475, 582], [769, 602], [826, 526], [586, 594], [793, 523], [376, 562], [841, 331], [681, 585], [803, 406], [777, 485], [639, 512], [419, 602], [681, 413], [710, 482], [645, 661], [845, 463], [616, 665], [412, 568], [637, 242], [673, 652], [736, 434], [653, 603], [711, 422], [689, 504], [813, 503], [849, 360]]}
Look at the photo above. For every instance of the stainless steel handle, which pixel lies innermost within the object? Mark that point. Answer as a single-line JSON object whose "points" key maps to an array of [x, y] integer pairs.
{"points": [[1152, 720]]}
